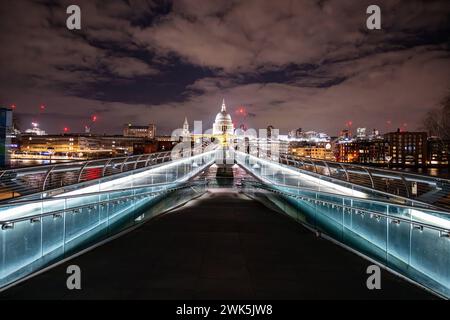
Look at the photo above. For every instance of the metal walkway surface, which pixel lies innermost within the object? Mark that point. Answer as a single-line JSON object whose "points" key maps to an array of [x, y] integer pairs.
{"points": [[222, 245]]}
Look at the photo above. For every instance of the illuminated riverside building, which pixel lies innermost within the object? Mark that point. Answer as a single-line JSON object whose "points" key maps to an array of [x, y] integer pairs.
{"points": [[347, 151], [77, 145], [308, 144], [307, 136], [438, 152], [395, 148], [5, 135], [314, 152], [372, 151], [35, 130], [148, 132], [407, 148]]}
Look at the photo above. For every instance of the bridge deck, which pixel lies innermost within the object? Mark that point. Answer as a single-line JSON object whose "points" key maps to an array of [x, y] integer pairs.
{"points": [[222, 245]]}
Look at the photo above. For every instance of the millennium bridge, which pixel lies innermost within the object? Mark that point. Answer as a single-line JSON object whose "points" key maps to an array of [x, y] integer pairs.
{"points": [[221, 223]]}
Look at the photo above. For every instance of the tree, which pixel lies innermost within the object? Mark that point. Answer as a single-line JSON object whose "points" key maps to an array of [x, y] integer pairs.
{"points": [[437, 121]]}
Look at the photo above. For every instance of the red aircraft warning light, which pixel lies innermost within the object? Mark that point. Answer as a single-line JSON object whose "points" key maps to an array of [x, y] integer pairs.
{"points": [[240, 111]]}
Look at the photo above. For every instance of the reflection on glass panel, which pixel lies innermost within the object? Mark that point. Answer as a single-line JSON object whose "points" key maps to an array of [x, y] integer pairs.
{"points": [[410, 240]]}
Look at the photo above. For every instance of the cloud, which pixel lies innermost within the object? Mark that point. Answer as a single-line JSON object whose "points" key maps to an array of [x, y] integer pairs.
{"points": [[292, 64], [390, 86], [243, 36], [42, 51], [128, 67]]}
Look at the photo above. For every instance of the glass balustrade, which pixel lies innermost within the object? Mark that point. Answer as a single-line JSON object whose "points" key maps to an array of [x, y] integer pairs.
{"points": [[37, 233], [410, 240]]}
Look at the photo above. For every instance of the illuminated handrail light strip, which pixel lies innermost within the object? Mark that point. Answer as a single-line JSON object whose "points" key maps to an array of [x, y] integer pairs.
{"points": [[138, 196], [409, 176], [434, 220], [320, 182], [108, 184], [417, 217], [437, 224], [86, 229], [25, 210]]}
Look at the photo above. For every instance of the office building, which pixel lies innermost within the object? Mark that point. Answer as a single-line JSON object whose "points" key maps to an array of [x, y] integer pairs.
{"points": [[148, 132], [407, 148], [5, 135]]}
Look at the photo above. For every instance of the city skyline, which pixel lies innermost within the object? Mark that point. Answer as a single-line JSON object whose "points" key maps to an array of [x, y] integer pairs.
{"points": [[350, 129], [142, 61]]}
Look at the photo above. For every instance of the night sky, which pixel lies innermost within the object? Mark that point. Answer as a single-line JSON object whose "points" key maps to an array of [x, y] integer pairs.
{"points": [[291, 64]]}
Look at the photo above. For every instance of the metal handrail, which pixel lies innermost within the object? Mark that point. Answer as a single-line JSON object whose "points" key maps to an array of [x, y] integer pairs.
{"points": [[51, 213], [372, 172], [78, 163], [267, 188], [355, 185], [420, 177], [82, 195], [38, 183], [10, 201], [371, 200]]}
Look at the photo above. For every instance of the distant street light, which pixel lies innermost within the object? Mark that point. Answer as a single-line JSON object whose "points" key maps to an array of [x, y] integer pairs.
{"points": [[50, 151]]}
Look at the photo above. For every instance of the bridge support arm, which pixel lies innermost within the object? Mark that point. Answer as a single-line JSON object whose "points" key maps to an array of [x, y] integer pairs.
{"points": [[47, 175], [346, 172], [370, 176], [81, 171]]}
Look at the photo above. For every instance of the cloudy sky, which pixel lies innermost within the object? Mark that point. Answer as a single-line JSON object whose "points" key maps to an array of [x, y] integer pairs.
{"points": [[289, 63]]}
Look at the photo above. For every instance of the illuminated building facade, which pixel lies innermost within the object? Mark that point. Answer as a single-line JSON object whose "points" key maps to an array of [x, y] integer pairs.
{"points": [[223, 124], [35, 130], [311, 137], [148, 132], [295, 134], [77, 145], [438, 152], [5, 135], [347, 151], [166, 138], [407, 148], [372, 151], [185, 131], [70, 145], [314, 152]]}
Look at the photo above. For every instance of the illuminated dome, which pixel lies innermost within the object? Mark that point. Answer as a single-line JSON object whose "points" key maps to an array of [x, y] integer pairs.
{"points": [[223, 123], [223, 116]]}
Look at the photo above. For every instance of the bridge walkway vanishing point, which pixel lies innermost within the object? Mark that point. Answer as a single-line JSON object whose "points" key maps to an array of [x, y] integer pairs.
{"points": [[222, 245]]}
